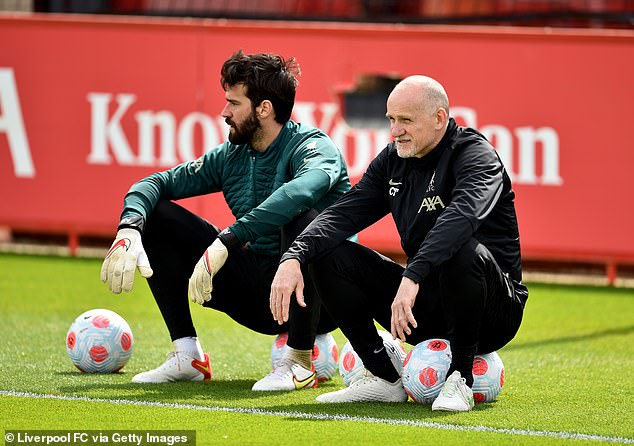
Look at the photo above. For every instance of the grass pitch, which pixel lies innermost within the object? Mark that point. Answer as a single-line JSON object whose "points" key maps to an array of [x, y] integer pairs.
{"points": [[568, 373]]}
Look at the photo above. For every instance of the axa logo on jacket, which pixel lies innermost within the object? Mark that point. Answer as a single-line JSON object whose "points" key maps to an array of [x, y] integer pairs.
{"points": [[430, 204]]}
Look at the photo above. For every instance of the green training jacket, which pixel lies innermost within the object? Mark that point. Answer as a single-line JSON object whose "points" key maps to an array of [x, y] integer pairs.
{"points": [[301, 169]]}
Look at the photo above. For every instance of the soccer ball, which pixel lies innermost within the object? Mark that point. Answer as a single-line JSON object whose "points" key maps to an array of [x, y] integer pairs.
{"points": [[488, 377], [278, 349], [99, 341], [325, 354], [426, 366], [351, 366], [425, 370]]}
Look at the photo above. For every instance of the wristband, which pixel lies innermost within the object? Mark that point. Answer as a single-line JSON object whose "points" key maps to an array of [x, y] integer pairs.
{"points": [[134, 222], [229, 239]]}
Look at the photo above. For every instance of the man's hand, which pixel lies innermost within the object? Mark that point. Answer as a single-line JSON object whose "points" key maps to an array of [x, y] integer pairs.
{"points": [[288, 280], [200, 285], [125, 254], [402, 316]]}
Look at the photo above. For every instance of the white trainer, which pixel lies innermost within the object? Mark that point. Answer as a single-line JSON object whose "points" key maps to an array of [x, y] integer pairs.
{"points": [[178, 367], [287, 376], [368, 388], [455, 395]]}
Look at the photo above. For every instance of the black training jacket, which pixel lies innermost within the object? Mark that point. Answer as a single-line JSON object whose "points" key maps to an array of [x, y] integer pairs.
{"points": [[457, 191]]}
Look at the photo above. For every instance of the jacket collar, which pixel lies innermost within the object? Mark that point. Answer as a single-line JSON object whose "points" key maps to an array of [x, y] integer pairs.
{"points": [[446, 142], [280, 141]]}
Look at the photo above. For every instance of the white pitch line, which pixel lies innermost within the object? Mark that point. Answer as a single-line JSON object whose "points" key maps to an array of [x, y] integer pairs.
{"points": [[328, 417]]}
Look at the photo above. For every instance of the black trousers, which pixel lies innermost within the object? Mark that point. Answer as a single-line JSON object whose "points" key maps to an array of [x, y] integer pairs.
{"points": [[175, 239], [467, 300]]}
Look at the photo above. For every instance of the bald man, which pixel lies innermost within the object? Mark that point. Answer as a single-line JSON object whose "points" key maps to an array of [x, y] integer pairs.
{"points": [[453, 205]]}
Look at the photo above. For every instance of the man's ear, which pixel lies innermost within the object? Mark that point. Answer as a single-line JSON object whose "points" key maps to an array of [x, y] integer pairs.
{"points": [[265, 109], [441, 118]]}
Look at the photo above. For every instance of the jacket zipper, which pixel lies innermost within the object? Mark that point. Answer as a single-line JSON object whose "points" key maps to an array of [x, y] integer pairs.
{"points": [[253, 190]]}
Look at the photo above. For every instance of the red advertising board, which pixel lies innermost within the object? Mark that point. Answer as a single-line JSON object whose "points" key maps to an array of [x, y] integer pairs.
{"points": [[90, 105]]}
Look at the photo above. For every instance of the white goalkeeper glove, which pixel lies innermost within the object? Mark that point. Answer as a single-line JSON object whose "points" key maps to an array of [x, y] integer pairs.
{"points": [[200, 285], [125, 254]]}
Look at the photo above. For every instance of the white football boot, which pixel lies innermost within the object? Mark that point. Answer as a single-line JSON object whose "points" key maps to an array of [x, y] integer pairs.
{"points": [[368, 388], [179, 366], [287, 376], [455, 395]]}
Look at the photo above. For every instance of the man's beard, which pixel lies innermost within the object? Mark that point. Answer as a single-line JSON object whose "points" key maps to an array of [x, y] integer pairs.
{"points": [[243, 133]]}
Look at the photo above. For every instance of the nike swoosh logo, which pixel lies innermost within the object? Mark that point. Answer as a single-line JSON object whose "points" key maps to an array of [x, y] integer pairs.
{"points": [[379, 350], [124, 242], [394, 183], [203, 367], [304, 382]]}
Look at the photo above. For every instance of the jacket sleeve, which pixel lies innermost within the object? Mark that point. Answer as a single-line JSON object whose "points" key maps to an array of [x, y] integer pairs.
{"points": [[188, 179], [364, 204], [479, 182], [315, 167]]}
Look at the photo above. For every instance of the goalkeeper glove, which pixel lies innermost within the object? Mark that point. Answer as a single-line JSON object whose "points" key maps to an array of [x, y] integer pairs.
{"points": [[125, 254], [200, 285]]}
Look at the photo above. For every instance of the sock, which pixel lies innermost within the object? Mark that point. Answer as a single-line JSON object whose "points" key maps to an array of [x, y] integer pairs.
{"points": [[380, 365], [462, 360], [189, 345], [301, 357]]}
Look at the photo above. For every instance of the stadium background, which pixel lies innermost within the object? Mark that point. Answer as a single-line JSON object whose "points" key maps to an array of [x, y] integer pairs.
{"points": [[92, 102]]}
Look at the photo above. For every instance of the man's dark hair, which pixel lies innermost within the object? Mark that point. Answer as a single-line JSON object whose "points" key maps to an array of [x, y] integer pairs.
{"points": [[265, 76]]}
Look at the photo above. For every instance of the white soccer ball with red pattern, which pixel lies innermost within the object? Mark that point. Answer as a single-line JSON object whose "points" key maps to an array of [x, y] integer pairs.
{"points": [[426, 366], [351, 366], [278, 349], [325, 354], [99, 341], [488, 377], [425, 370]]}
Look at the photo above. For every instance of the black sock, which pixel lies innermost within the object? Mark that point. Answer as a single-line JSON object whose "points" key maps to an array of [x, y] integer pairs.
{"points": [[462, 360], [380, 365]]}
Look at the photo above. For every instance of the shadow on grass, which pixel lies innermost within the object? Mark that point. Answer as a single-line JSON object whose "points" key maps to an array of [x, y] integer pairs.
{"points": [[621, 331], [230, 392], [216, 392], [401, 413], [237, 394]]}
